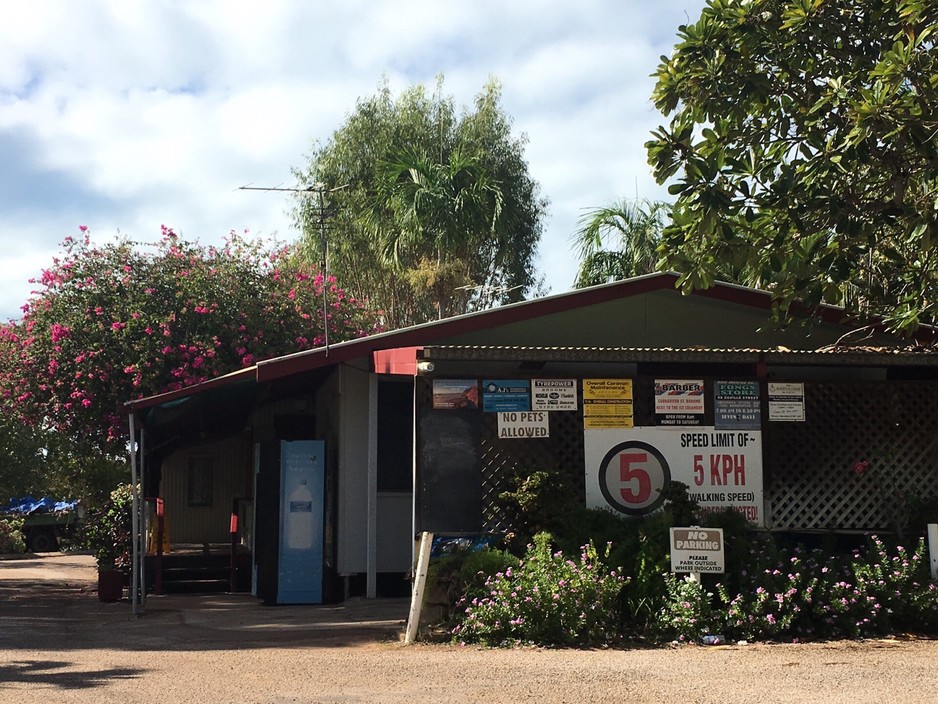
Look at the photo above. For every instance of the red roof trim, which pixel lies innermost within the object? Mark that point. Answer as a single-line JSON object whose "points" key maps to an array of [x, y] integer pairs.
{"points": [[400, 360], [147, 401]]}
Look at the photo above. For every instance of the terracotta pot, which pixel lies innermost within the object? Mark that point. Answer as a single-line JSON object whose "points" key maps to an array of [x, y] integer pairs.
{"points": [[110, 585]]}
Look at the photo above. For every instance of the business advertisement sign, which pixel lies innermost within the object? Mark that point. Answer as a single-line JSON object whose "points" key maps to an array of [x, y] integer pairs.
{"points": [[455, 393], [607, 403], [553, 395], [506, 395], [628, 469], [679, 401], [786, 402], [697, 550], [736, 405]]}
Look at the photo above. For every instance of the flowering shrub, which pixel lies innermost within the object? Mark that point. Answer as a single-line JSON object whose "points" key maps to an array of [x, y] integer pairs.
{"points": [[11, 536], [109, 324], [793, 593], [548, 600], [687, 613], [107, 530]]}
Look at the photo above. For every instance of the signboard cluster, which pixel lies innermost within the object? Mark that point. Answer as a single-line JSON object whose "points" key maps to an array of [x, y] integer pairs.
{"points": [[628, 468], [716, 450], [523, 405]]}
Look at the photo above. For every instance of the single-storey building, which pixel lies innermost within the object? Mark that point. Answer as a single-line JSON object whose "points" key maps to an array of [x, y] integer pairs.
{"points": [[315, 471]]}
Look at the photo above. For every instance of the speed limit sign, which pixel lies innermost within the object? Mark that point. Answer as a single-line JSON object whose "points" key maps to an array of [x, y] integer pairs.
{"points": [[632, 477]]}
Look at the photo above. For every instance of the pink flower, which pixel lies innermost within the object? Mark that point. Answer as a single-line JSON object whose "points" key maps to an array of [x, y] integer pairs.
{"points": [[59, 332], [860, 466], [83, 228]]}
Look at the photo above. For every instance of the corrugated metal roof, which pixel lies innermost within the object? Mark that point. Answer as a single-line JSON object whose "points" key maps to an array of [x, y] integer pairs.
{"points": [[853, 356]]}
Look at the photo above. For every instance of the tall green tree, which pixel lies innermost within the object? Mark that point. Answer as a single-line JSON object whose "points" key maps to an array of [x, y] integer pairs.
{"points": [[619, 241], [802, 148], [37, 461], [440, 211], [431, 212]]}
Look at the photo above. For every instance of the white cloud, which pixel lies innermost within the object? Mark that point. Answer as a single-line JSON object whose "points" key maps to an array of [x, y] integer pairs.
{"points": [[124, 116]]}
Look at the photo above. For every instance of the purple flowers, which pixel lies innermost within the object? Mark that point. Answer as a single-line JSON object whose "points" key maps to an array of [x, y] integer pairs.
{"points": [[547, 599]]}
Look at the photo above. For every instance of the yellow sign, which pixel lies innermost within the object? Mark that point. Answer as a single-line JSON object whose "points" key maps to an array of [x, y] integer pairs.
{"points": [[613, 408], [607, 388], [607, 403]]}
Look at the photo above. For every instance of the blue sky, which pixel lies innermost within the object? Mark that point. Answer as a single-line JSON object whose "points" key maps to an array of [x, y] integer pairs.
{"points": [[124, 115]]}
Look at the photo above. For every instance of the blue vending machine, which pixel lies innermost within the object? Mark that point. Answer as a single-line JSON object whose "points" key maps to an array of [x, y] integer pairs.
{"points": [[302, 475]]}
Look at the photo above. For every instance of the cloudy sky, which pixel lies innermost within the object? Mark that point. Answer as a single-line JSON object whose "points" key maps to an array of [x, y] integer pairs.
{"points": [[123, 115]]}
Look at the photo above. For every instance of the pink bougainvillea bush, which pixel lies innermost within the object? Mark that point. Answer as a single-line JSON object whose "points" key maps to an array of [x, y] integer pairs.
{"points": [[114, 322]]}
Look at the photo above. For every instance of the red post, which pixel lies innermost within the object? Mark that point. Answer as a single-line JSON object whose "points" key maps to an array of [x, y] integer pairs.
{"points": [[160, 532], [233, 530]]}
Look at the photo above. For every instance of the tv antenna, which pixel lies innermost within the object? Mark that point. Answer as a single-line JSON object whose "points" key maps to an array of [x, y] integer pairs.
{"points": [[320, 191]]}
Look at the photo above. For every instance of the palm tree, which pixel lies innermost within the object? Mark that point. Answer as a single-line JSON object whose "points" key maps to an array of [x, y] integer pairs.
{"points": [[442, 216], [619, 241]]}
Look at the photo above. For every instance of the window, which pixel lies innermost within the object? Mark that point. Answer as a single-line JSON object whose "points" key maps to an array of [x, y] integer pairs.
{"points": [[395, 436], [201, 489]]}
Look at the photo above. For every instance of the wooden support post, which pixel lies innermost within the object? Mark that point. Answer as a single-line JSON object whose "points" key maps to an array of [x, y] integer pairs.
{"points": [[933, 549], [420, 582]]}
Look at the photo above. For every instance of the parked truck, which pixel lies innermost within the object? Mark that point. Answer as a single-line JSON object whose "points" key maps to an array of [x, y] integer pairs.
{"points": [[47, 524]]}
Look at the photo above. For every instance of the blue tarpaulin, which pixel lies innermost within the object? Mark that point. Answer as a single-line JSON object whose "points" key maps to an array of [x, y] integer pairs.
{"points": [[450, 544], [28, 505]]}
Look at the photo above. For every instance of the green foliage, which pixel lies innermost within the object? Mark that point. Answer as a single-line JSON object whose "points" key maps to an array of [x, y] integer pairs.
{"points": [[461, 577], [537, 501], [12, 541], [773, 588], [548, 600], [479, 566], [433, 213], [687, 613], [107, 530], [790, 592], [543, 500], [41, 462], [619, 241], [801, 150]]}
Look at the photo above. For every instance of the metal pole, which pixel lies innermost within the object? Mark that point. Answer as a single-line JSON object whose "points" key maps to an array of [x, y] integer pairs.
{"points": [[134, 520], [322, 269], [144, 522]]}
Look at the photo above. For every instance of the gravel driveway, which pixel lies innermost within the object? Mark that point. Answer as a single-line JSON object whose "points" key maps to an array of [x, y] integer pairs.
{"points": [[58, 644]]}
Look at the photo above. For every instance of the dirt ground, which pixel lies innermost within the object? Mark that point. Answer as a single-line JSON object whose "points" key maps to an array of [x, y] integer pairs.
{"points": [[59, 644]]}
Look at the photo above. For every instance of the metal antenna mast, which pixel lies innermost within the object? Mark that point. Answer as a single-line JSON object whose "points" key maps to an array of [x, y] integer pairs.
{"points": [[321, 215]]}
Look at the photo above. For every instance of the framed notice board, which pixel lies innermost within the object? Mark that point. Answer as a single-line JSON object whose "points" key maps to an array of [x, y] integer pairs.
{"points": [[450, 471]]}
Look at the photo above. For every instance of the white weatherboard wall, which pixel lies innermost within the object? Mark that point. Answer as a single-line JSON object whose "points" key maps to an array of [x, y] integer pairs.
{"points": [[393, 509], [203, 524]]}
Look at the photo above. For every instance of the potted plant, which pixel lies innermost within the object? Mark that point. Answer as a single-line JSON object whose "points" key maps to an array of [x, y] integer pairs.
{"points": [[108, 535]]}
